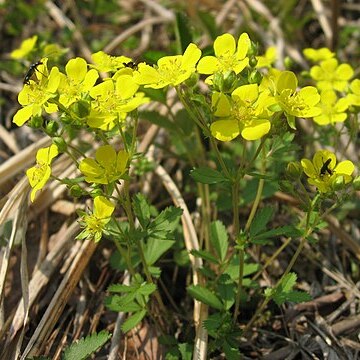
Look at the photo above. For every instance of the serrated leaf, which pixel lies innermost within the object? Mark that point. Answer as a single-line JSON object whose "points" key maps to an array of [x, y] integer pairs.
{"points": [[287, 230], [155, 248], [203, 254], [132, 321], [186, 351], [206, 175], [219, 239], [167, 220], [260, 221], [298, 296], [146, 289], [86, 346], [226, 289], [141, 209], [119, 303], [206, 296], [288, 282]]}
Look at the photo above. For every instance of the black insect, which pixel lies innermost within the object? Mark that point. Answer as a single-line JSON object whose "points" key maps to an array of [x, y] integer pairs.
{"points": [[31, 71], [325, 168], [131, 65]]}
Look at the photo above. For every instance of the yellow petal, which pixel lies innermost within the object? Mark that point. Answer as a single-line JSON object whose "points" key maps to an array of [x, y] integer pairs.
{"points": [[225, 130]]}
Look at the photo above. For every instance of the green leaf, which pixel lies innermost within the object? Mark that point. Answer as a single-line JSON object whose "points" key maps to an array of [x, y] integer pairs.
{"points": [[203, 254], [82, 349], [155, 248], [287, 230], [298, 296], [166, 221], [231, 353], [132, 321], [260, 221], [226, 289], [124, 303], [159, 120], [141, 209], [288, 282], [219, 239], [158, 95], [183, 30], [291, 121], [283, 292], [206, 175], [186, 351], [205, 296], [146, 289]]}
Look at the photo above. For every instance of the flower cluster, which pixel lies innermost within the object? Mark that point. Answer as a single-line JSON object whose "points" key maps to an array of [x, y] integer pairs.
{"points": [[248, 98]]}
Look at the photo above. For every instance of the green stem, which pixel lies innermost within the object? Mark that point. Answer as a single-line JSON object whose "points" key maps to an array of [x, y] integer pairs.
{"points": [[246, 229]]}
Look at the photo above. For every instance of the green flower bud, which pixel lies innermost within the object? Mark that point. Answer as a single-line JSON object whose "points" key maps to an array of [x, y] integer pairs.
{"points": [[36, 122], [81, 108], [52, 128], [288, 62], [253, 61], [254, 77], [96, 192], [253, 50], [76, 191], [60, 143], [293, 170], [230, 82]]}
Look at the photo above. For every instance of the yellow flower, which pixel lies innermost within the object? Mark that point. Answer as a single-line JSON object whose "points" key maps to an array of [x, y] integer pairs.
{"points": [[268, 59], [329, 75], [77, 82], [94, 223], [296, 103], [107, 167], [113, 99], [333, 110], [25, 48], [35, 96], [245, 113], [323, 171], [39, 174], [227, 57], [316, 55], [170, 70], [354, 96], [107, 63]]}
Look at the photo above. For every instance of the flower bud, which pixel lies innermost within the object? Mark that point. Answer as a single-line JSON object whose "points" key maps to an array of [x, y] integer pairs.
{"points": [[60, 143], [254, 77], [293, 170], [52, 128], [253, 61], [225, 82], [76, 191], [36, 122]]}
